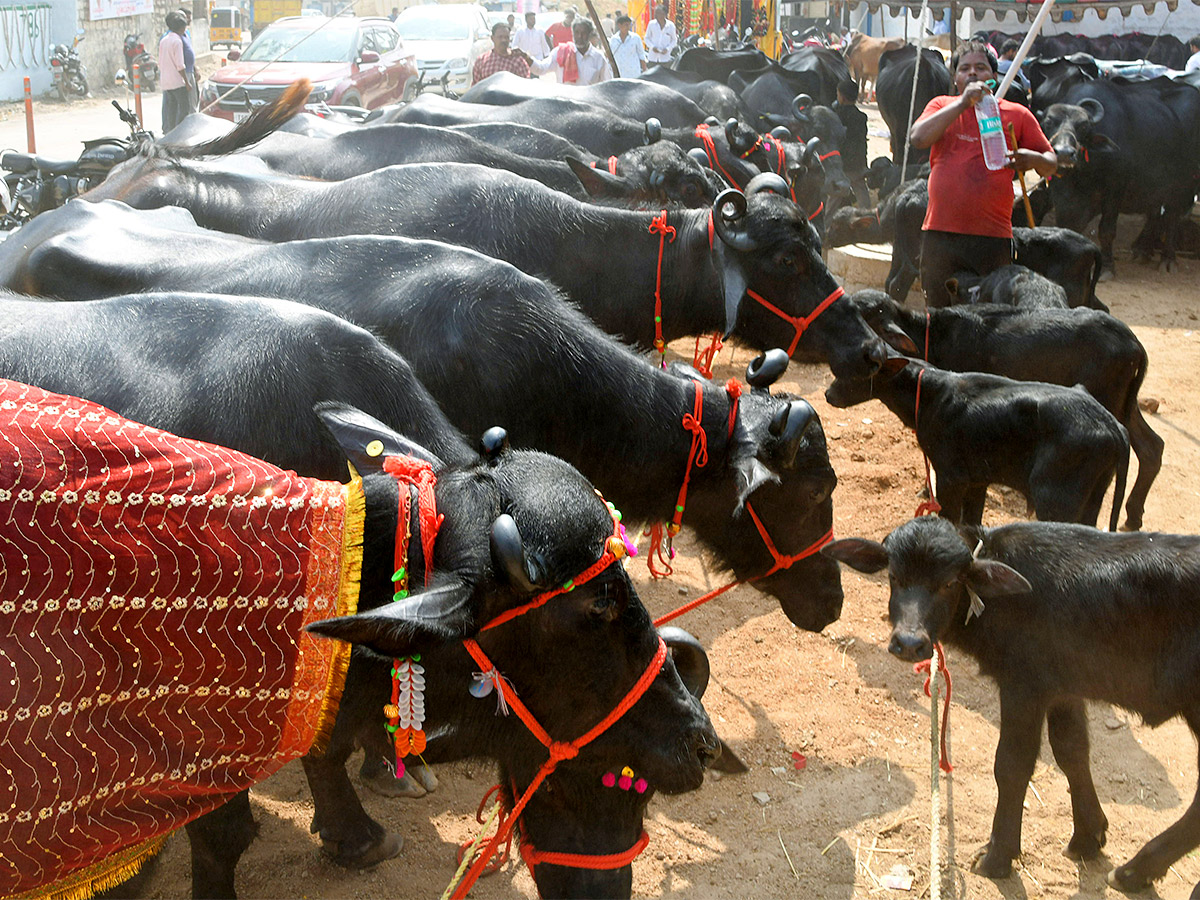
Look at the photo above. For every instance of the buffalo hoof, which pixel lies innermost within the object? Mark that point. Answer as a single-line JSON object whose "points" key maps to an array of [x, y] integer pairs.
{"points": [[424, 777], [1168, 265], [991, 864], [386, 784], [1085, 846], [1106, 275], [1128, 879], [384, 849], [1132, 525]]}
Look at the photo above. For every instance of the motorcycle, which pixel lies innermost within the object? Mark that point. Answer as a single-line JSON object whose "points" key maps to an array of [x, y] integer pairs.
{"points": [[70, 74], [135, 53], [34, 184]]}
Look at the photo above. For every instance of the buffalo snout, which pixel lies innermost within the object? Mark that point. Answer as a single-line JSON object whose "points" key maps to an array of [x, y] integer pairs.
{"points": [[910, 646]]}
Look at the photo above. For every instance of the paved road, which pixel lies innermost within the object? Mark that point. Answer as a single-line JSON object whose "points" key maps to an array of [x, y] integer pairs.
{"points": [[61, 128]]}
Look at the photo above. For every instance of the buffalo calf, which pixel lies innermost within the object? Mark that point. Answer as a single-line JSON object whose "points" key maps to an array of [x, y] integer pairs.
{"points": [[1056, 445], [1010, 286], [1068, 614]]}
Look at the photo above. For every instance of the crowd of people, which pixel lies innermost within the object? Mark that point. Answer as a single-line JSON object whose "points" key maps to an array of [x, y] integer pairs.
{"points": [[571, 48]]}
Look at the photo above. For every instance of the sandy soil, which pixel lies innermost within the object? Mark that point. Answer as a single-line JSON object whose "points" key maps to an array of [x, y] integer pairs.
{"points": [[862, 803]]}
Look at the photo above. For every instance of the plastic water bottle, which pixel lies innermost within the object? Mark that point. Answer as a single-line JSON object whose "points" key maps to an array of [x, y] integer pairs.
{"points": [[991, 133]]}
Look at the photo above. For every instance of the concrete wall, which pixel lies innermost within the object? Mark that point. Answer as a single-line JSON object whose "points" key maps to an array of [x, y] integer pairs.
{"points": [[103, 49], [27, 33]]}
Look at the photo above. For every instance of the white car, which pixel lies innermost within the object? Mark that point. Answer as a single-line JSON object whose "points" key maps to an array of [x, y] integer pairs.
{"points": [[446, 38]]}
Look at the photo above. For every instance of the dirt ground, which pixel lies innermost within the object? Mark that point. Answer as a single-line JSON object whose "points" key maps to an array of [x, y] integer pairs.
{"points": [[861, 805]]}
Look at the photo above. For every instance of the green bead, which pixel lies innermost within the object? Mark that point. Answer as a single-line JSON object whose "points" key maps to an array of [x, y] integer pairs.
{"points": [[391, 728], [679, 509], [658, 318], [569, 585], [400, 573], [399, 595], [617, 514], [416, 657]]}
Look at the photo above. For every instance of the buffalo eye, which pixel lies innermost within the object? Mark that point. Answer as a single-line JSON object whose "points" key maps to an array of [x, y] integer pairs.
{"points": [[690, 191], [604, 607], [786, 260]]}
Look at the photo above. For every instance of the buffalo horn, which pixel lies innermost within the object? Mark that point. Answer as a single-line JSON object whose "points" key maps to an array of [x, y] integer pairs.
{"points": [[724, 226], [712, 122], [766, 368], [697, 155], [769, 183], [690, 659], [800, 106], [493, 443], [737, 141], [657, 179], [653, 131], [789, 423], [810, 150], [1093, 107], [508, 554], [782, 133]]}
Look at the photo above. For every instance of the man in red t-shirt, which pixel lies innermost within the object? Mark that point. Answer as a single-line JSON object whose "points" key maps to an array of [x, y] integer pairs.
{"points": [[968, 226], [560, 32]]}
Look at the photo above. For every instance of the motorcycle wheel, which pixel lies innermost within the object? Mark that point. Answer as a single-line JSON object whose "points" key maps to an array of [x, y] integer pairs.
{"points": [[62, 90], [79, 85]]}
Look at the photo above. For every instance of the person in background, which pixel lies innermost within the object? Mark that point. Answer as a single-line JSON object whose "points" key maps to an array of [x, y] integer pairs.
{"points": [[561, 32], [395, 13], [1193, 63], [854, 144], [1008, 52], [609, 25], [627, 49], [512, 23], [173, 73], [531, 40], [499, 58], [576, 62], [968, 225], [189, 61], [661, 37]]}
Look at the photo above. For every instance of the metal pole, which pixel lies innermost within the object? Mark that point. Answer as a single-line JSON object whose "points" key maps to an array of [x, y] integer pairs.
{"points": [[1025, 44], [29, 118], [137, 93]]}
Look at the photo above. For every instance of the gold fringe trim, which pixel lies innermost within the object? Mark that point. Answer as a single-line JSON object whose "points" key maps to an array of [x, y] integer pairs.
{"points": [[348, 589], [101, 876]]}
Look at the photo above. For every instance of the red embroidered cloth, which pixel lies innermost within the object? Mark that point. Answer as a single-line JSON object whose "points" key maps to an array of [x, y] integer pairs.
{"points": [[153, 662]]}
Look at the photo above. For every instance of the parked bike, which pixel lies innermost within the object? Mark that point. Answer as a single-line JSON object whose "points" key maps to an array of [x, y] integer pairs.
{"points": [[70, 74], [135, 53], [32, 184]]}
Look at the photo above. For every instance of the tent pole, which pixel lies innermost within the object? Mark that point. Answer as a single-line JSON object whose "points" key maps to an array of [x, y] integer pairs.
{"points": [[953, 25], [1034, 30]]}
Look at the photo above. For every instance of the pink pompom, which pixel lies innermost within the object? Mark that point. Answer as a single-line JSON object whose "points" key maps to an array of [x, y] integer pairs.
{"points": [[625, 782], [608, 779], [640, 785], [400, 769]]}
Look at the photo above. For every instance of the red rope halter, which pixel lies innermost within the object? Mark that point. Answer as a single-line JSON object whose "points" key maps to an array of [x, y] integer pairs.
{"points": [[924, 667], [659, 226], [558, 750], [710, 148], [612, 165], [800, 323]]}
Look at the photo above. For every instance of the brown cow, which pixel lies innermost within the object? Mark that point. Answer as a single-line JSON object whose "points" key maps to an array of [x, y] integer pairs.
{"points": [[863, 57]]}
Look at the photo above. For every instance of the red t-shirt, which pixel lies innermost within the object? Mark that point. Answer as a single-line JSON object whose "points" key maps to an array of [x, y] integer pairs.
{"points": [[558, 33], [964, 196]]}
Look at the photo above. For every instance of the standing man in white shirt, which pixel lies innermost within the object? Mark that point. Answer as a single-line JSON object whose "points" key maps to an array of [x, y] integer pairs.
{"points": [[1193, 62], [576, 62], [627, 49], [661, 37], [531, 39]]}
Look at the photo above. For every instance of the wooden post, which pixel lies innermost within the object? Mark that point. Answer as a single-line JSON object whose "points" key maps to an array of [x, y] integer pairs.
{"points": [[603, 38], [137, 93], [953, 25], [29, 118]]}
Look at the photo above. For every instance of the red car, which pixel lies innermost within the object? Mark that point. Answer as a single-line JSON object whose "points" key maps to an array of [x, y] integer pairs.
{"points": [[350, 62]]}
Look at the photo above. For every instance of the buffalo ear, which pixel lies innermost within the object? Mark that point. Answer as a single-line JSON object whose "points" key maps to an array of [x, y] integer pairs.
{"points": [[952, 287], [365, 440], [597, 182], [992, 578], [895, 338], [1102, 142], [442, 614], [858, 553], [752, 475]]}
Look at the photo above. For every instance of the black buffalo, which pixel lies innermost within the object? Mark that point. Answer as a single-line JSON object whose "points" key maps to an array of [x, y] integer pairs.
{"points": [[1116, 613], [714, 97], [1066, 347], [893, 92], [467, 324], [1050, 79], [163, 359], [719, 64]]}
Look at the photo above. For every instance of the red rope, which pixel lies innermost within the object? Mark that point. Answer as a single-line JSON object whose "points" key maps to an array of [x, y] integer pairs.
{"points": [[419, 473], [711, 149], [733, 388], [558, 751], [829, 154], [612, 165], [931, 505], [800, 323], [923, 668], [581, 861], [820, 208], [697, 455], [702, 360], [659, 226]]}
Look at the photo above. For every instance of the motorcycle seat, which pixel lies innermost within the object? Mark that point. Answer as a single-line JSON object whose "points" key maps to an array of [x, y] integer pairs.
{"points": [[51, 167], [19, 163]]}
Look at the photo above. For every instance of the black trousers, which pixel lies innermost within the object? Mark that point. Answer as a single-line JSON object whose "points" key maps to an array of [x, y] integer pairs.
{"points": [[943, 253]]}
